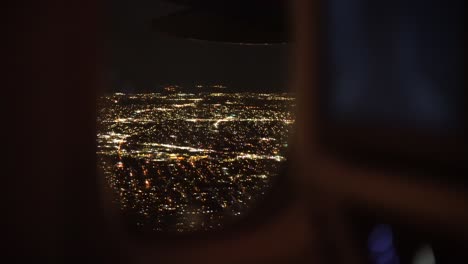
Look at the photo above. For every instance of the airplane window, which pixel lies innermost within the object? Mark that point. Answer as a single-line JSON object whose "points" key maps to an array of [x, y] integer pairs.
{"points": [[191, 134], [392, 85], [396, 63]]}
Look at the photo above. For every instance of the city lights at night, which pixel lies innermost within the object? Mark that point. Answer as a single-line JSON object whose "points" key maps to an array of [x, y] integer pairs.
{"points": [[181, 162]]}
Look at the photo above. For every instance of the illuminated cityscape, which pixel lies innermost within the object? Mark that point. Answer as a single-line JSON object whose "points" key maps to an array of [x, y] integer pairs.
{"points": [[178, 162]]}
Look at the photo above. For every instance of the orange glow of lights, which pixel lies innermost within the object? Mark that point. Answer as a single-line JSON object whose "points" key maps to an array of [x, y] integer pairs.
{"points": [[147, 184]]}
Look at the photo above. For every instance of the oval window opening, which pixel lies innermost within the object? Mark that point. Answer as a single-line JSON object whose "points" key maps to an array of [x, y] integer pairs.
{"points": [[191, 134]]}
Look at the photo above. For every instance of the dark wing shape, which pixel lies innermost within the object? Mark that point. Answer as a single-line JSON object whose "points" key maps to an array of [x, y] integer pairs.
{"points": [[241, 23]]}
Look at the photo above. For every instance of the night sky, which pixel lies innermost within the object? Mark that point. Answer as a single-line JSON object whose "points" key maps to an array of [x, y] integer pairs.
{"points": [[142, 60]]}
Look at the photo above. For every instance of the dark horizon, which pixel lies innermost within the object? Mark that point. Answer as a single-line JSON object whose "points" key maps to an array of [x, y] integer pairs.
{"points": [[191, 88]]}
